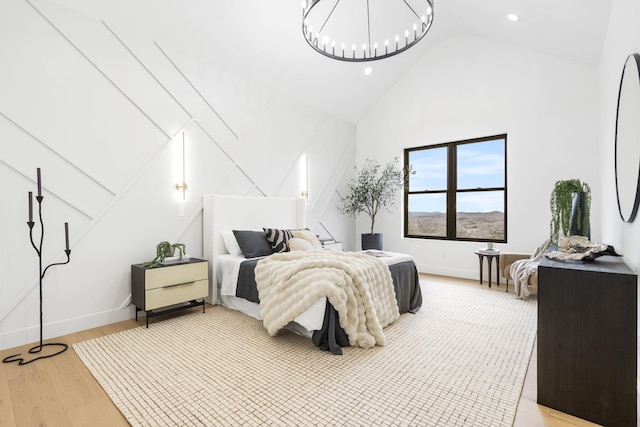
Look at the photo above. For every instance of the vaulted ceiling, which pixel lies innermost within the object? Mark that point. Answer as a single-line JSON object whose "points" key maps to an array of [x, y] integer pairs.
{"points": [[261, 40]]}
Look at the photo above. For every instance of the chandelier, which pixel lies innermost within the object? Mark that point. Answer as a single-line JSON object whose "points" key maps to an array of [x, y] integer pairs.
{"points": [[365, 30]]}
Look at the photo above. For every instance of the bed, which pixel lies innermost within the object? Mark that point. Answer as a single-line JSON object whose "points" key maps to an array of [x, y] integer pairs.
{"points": [[320, 320]]}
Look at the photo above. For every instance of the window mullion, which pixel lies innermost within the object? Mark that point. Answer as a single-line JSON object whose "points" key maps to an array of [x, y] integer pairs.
{"points": [[452, 183]]}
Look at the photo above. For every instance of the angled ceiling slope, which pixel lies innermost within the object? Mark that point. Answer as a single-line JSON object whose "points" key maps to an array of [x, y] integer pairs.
{"points": [[262, 41]]}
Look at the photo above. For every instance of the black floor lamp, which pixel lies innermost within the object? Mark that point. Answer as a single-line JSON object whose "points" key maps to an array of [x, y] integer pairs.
{"points": [[38, 248]]}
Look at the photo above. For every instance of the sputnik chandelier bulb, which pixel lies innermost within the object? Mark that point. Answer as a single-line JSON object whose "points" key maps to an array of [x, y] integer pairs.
{"points": [[365, 30]]}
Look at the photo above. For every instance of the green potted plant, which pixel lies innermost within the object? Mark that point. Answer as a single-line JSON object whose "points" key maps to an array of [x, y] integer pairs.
{"points": [[373, 187], [570, 209]]}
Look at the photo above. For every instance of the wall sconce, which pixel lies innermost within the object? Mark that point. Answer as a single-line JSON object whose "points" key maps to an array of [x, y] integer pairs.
{"points": [[182, 186], [305, 191]]}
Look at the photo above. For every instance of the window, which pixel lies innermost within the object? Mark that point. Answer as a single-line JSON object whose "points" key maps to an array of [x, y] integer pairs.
{"points": [[458, 190]]}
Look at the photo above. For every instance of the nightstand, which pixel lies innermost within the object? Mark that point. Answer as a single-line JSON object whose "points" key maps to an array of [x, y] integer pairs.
{"points": [[336, 246], [167, 285]]}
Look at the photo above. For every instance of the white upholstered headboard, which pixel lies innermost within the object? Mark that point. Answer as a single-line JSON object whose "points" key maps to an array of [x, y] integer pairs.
{"points": [[243, 213]]}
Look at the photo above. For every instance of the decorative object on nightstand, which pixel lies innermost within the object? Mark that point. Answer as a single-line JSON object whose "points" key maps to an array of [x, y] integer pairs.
{"points": [[165, 254], [168, 285], [37, 349]]}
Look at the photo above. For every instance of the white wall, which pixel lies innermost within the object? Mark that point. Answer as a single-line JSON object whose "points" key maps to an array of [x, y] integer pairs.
{"points": [[468, 87], [100, 110], [623, 38]]}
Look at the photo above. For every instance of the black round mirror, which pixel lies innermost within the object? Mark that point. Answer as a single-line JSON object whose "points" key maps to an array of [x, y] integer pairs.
{"points": [[627, 143]]}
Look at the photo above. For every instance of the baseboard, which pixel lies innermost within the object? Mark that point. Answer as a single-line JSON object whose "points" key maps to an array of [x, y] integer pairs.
{"points": [[68, 326], [450, 272]]}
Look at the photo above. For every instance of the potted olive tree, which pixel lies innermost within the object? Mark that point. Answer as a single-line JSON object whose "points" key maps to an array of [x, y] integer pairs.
{"points": [[570, 209], [373, 187]]}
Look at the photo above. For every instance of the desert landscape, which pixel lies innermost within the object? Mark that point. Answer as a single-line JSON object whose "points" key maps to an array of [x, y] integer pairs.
{"points": [[471, 225]]}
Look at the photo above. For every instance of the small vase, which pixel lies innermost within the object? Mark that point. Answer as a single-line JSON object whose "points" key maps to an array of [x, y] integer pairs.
{"points": [[578, 216]]}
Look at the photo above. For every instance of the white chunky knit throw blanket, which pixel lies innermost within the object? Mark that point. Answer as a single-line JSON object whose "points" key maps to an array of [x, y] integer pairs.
{"points": [[359, 287]]}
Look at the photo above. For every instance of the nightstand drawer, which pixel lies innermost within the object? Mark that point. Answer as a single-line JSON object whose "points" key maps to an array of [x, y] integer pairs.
{"points": [[162, 297], [175, 274]]}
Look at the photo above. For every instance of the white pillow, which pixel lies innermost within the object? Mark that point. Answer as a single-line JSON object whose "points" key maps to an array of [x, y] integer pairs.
{"points": [[298, 244], [309, 237], [231, 243]]}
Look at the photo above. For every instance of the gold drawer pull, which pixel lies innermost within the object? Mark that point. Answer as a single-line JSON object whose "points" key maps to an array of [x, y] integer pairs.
{"points": [[179, 284]]}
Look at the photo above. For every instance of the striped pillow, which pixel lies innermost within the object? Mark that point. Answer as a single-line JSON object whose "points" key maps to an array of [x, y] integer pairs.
{"points": [[278, 239]]}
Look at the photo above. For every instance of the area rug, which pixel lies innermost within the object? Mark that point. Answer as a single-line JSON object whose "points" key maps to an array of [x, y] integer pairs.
{"points": [[460, 361]]}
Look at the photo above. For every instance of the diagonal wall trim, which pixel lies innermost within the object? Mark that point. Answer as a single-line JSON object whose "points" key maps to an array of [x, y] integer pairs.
{"points": [[229, 156], [338, 171], [59, 31], [50, 190], [196, 90], [17, 301], [124, 45], [214, 141], [314, 133], [102, 49], [264, 109], [126, 303], [252, 181], [194, 216], [95, 220], [260, 114], [63, 158], [184, 127]]}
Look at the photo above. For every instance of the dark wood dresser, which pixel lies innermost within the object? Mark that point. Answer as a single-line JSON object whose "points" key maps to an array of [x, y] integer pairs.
{"points": [[587, 329]]}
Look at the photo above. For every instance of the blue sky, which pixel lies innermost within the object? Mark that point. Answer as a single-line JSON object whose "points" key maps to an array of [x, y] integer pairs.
{"points": [[479, 165]]}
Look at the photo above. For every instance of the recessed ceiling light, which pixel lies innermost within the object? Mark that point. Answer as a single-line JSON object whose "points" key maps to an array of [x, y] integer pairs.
{"points": [[368, 71], [513, 17]]}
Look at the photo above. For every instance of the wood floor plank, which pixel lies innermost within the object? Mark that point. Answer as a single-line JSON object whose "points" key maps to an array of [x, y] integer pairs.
{"points": [[561, 419], [35, 399], [74, 385], [7, 417], [98, 413], [13, 369], [529, 414]]}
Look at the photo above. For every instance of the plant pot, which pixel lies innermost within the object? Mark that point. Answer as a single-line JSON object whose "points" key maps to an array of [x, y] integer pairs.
{"points": [[371, 241], [578, 225]]}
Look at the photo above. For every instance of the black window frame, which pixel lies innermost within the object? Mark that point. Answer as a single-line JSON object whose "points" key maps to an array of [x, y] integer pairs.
{"points": [[451, 191]]}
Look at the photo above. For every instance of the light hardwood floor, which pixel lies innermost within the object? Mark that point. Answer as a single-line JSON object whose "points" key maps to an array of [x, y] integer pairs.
{"points": [[60, 391]]}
